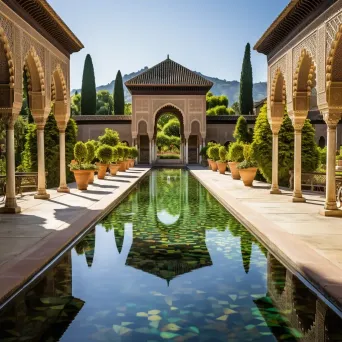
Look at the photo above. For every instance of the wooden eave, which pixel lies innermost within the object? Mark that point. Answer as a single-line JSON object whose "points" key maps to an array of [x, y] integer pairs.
{"points": [[289, 19], [41, 16]]}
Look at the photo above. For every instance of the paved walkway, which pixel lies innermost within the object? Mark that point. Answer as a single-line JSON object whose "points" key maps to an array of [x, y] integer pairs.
{"points": [[306, 241], [31, 239]]}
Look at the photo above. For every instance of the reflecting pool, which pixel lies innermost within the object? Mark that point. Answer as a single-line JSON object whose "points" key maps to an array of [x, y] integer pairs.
{"points": [[168, 264]]}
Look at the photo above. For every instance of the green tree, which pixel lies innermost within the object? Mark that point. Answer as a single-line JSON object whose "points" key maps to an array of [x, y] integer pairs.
{"points": [[128, 108], [261, 147], [241, 133], [119, 97], [236, 108], [75, 104], [246, 83], [88, 99], [172, 128], [104, 103], [51, 137]]}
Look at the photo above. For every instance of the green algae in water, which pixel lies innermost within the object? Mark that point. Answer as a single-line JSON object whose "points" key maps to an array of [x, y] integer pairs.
{"points": [[168, 264]]}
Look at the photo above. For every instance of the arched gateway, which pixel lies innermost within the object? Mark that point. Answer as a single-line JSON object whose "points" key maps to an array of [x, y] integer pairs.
{"points": [[169, 87]]}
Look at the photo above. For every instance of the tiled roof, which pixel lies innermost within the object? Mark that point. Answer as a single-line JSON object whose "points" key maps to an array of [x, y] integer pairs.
{"points": [[169, 73]]}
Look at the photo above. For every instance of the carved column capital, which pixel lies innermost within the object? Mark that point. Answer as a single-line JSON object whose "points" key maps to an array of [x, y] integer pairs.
{"points": [[9, 117], [298, 118], [331, 118]]}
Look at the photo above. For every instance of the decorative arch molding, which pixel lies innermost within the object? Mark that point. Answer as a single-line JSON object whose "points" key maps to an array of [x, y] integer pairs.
{"points": [[38, 72], [199, 125], [59, 84], [304, 79], [281, 65], [334, 70], [309, 44], [165, 105], [278, 85], [8, 54]]}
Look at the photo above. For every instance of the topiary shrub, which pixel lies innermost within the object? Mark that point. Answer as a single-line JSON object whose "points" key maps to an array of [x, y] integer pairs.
{"points": [[110, 137], [115, 156], [105, 154], [125, 152], [91, 151], [214, 152], [204, 151], [235, 153], [80, 152], [120, 152], [135, 152], [223, 154], [241, 133]]}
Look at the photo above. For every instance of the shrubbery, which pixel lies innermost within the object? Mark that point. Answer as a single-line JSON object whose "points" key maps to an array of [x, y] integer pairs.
{"points": [[235, 153]]}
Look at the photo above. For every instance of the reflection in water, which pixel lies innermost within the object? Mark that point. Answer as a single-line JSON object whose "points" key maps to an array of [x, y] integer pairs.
{"points": [[171, 265]]}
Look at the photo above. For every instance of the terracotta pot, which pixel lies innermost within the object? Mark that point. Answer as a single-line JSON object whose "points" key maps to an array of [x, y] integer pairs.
{"points": [[222, 167], [214, 165], [127, 162], [131, 163], [114, 168], [101, 170], [234, 171], [248, 175], [82, 178], [122, 166], [209, 163], [91, 176]]}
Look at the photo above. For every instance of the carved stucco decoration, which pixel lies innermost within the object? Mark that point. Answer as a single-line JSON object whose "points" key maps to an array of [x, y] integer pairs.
{"points": [[274, 91], [305, 61], [163, 104], [335, 54], [310, 46], [332, 27], [8, 54], [60, 73], [39, 66], [279, 65], [160, 103]]}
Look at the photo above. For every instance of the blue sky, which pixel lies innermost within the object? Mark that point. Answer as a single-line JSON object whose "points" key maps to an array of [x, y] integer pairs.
{"points": [[206, 36]]}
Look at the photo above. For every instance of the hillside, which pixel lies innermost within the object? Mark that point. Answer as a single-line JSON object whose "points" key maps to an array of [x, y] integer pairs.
{"points": [[220, 87]]}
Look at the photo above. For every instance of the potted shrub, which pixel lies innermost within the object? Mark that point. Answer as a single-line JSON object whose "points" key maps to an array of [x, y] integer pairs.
{"points": [[80, 168], [135, 154], [248, 168], [203, 154], [120, 149], [222, 162], [104, 154], [125, 157], [90, 157], [235, 156], [114, 166], [213, 153]]}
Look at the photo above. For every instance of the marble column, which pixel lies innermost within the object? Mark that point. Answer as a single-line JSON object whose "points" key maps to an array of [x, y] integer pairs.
{"points": [[150, 151], [199, 155], [11, 206], [298, 119], [41, 193], [330, 206], [181, 152], [63, 187], [275, 160], [186, 151]]}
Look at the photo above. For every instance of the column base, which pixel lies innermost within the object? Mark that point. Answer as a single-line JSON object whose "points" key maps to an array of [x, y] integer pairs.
{"points": [[42, 196], [331, 213], [10, 210], [275, 192], [298, 200], [64, 189]]}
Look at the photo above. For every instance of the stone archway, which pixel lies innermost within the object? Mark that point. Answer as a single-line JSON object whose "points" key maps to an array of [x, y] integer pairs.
{"points": [[169, 108]]}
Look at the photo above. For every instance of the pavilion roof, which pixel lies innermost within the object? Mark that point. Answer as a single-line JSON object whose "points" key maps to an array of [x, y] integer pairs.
{"points": [[169, 73], [287, 22], [41, 16]]}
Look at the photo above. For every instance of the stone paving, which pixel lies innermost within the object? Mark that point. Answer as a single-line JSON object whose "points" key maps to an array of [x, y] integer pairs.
{"points": [[31, 239], [307, 242]]}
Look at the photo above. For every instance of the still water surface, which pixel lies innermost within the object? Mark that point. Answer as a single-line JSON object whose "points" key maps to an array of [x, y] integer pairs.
{"points": [[168, 264]]}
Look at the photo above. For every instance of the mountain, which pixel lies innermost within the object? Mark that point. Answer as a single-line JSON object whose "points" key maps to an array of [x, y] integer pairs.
{"points": [[220, 87]]}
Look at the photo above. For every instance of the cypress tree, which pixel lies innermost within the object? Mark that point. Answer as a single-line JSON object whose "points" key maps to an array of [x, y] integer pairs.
{"points": [[241, 133], [88, 99], [119, 98], [246, 84]]}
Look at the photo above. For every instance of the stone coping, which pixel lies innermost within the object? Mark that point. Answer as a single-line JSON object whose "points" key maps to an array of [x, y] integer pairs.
{"points": [[294, 232], [32, 239]]}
